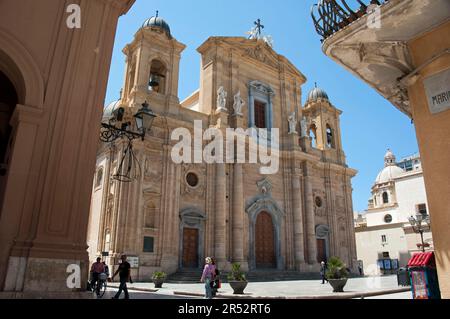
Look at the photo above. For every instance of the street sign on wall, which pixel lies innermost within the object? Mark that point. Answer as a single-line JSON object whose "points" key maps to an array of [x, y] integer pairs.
{"points": [[437, 88], [133, 261]]}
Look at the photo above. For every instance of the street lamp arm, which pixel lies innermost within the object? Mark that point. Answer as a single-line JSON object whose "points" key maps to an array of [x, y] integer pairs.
{"points": [[110, 133]]}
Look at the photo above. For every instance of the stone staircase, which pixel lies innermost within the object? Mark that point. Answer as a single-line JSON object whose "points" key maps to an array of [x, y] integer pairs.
{"points": [[193, 276], [280, 275], [185, 276]]}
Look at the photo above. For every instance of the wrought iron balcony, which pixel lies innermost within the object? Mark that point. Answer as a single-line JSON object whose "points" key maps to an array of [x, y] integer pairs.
{"points": [[329, 16]]}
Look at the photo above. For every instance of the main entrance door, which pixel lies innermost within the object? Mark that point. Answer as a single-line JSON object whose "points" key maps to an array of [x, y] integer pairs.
{"points": [[321, 250], [190, 248], [265, 241]]}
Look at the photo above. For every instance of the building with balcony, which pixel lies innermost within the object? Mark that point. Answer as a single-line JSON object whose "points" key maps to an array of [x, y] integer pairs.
{"points": [[401, 48]]}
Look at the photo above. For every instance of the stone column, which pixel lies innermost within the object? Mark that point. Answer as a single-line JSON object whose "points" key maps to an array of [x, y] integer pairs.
{"points": [[220, 216], [269, 112], [238, 214], [251, 108], [310, 220], [298, 221]]}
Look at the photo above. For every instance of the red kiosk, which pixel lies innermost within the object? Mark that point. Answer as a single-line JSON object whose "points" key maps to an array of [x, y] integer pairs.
{"points": [[423, 276]]}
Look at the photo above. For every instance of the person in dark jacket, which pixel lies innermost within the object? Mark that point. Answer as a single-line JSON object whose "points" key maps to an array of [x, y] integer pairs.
{"points": [[124, 272], [323, 272]]}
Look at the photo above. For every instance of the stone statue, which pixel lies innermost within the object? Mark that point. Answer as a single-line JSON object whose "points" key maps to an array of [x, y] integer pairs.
{"points": [[238, 104], [304, 127], [292, 124], [221, 99]]}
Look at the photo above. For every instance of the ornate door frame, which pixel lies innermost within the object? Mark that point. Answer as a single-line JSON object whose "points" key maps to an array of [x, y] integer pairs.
{"points": [[192, 218], [265, 203]]}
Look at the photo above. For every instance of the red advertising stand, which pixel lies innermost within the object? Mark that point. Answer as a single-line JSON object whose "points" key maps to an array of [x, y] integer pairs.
{"points": [[423, 275]]}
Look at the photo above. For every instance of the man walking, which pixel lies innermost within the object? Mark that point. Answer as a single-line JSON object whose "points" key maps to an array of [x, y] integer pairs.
{"points": [[124, 274], [323, 271]]}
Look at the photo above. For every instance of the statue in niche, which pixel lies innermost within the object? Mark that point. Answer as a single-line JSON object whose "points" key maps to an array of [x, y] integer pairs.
{"points": [[292, 124], [238, 104], [304, 127], [222, 99]]}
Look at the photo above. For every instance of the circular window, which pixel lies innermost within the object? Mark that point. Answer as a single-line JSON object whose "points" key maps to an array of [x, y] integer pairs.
{"points": [[318, 201], [388, 218], [192, 179]]}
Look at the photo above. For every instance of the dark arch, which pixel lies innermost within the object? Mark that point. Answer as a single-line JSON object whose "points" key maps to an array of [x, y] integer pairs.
{"points": [[313, 134], [385, 198], [330, 137], [158, 75], [8, 101]]}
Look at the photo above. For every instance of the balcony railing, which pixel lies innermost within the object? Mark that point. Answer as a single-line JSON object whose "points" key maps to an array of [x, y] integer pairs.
{"points": [[329, 16]]}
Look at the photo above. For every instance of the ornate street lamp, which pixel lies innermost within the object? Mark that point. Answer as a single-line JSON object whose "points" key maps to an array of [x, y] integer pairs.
{"points": [[111, 132], [418, 225]]}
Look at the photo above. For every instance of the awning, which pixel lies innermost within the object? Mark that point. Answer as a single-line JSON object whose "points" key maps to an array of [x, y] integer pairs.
{"points": [[422, 259]]}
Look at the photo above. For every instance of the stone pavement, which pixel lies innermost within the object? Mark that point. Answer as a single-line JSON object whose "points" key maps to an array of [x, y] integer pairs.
{"points": [[301, 289]]}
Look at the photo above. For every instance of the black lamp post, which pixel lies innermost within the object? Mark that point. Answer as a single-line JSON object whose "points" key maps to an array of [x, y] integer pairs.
{"points": [[418, 225], [144, 120], [111, 132]]}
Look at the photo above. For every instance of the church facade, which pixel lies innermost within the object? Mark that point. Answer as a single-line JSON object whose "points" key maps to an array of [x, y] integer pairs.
{"points": [[171, 216]]}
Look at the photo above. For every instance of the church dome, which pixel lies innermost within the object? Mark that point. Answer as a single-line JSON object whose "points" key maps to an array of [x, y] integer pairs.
{"points": [[316, 94], [109, 109], [388, 174], [158, 22], [390, 170]]}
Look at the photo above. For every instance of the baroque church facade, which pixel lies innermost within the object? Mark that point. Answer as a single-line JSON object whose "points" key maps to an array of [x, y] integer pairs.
{"points": [[174, 215]]}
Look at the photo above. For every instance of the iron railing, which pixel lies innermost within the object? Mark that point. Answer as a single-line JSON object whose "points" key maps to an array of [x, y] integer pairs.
{"points": [[330, 16]]}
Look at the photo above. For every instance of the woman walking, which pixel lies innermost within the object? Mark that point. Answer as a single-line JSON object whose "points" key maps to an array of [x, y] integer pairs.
{"points": [[208, 276]]}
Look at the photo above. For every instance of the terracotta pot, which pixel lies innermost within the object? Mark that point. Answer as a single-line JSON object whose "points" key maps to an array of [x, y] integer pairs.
{"points": [[158, 283], [338, 284], [238, 287]]}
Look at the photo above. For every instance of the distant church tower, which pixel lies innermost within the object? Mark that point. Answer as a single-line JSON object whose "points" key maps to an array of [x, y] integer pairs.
{"points": [[152, 66], [324, 123]]}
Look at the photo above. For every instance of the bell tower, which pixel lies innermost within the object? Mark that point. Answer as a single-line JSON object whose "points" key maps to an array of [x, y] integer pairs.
{"points": [[152, 66], [324, 123]]}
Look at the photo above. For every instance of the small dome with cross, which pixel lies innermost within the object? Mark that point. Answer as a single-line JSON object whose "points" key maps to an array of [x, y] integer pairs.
{"points": [[159, 23]]}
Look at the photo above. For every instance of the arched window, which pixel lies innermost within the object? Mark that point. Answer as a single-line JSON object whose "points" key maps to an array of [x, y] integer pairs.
{"points": [[330, 137], [99, 177], [313, 135], [157, 81], [385, 198], [150, 215]]}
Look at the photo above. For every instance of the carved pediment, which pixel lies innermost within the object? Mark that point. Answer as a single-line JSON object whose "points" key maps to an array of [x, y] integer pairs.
{"points": [[262, 88], [262, 54]]}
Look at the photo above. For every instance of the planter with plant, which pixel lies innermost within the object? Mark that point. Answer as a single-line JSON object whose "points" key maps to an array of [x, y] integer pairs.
{"points": [[158, 278], [237, 280], [337, 274]]}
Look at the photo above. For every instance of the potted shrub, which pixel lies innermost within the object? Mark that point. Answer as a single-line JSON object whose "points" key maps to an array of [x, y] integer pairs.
{"points": [[237, 280], [337, 274], [158, 278]]}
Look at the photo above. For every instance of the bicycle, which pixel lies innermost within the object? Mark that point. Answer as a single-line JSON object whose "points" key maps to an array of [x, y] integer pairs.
{"points": [[99, 287]]}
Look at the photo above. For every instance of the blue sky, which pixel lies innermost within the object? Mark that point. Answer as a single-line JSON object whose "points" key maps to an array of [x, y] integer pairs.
{"points": [[370, 124]]}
